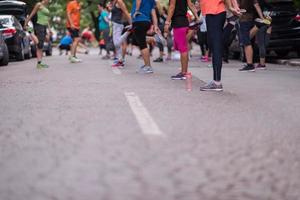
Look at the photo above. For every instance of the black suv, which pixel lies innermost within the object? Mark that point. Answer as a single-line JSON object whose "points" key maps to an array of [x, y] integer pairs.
{"points": [[285, 35]]}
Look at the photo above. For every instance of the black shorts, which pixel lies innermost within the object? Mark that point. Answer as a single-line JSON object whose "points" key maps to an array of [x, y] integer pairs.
{"points": [[64, 47], [74, 32], [139, 33], [40, 31]]}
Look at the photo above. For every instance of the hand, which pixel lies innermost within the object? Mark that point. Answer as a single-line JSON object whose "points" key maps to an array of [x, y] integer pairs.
{"points": [[137, 13], [156, 29], [72, 26], [166, 30], [235, 11]]}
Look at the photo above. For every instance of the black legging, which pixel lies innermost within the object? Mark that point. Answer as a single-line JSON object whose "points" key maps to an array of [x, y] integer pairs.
{"points": [[262, 40], [215, 24]]}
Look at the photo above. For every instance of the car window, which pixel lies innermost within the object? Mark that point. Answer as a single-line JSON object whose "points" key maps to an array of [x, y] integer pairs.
{"points": [[5, 22], [17, 24]]}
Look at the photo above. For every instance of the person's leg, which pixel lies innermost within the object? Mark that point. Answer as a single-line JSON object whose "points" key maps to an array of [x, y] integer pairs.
{"points": [[117, 33], [226, 38], [140, 32], [40, 32], [216, 24], [261, 36], [181, 44], [245, 29], [107, 41]]}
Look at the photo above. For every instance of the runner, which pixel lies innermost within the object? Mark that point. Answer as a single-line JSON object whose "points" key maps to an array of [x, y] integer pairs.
{"points": [[263, 34], [73, 26], [105, 29], [40, 29], [180, 24], [65, 44], [118, 11], [141, 13], [215, 13], [246, 24]]}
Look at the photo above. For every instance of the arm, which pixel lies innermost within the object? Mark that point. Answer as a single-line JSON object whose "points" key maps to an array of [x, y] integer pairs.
{"points": [[232, 7], [137, 8], [33, 12], [124, 10], [170, 15], [259, 11], [154, 20], [69, 18], [193, 9]]}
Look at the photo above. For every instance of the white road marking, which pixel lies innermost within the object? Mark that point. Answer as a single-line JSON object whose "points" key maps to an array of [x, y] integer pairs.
{"points": [[146, 122], [116, 71]]}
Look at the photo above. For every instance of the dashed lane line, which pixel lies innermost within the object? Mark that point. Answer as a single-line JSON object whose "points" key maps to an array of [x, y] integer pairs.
{"points": [[146, 122]]}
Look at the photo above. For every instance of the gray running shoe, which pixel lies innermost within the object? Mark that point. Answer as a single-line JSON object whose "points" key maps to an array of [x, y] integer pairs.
{"points": [[212, 86], [145, 70]]}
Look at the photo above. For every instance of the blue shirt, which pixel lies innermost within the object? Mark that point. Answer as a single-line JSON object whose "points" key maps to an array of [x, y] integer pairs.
{"points": [[145, 8], [67, 40], [102, 23]]}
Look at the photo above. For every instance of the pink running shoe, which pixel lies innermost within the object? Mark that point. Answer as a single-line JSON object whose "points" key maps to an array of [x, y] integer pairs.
{"points": [[118, 64], [205, 59]]}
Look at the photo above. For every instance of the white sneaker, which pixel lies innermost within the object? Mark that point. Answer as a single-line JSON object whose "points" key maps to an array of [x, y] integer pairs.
{"points": [[73, 59]]}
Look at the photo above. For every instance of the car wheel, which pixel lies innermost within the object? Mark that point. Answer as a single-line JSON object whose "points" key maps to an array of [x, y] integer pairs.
{"points": [[5, 58], [282, 53], [20, 55]]}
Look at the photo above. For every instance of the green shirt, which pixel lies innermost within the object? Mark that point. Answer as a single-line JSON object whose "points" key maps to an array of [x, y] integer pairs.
{"points": [[43, 16]]}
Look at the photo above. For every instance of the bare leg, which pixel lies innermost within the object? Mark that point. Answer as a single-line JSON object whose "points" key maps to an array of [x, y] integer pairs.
{"points": [[249, 54], [146, 56], [74, 46], [184, 59]]}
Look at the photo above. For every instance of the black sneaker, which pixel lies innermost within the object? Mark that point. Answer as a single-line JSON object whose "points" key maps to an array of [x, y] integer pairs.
{"points": [[248, 68], [158, 60], [259, 66], [212, 86], [179, 76]]}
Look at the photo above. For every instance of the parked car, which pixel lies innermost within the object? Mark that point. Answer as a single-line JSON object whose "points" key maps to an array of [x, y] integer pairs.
{"points": [[15, 8], [285, 35], [4, 56], [17, 40]]}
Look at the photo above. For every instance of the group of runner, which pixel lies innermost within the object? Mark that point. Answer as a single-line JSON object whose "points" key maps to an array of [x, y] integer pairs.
{"points": [[149, 24]]}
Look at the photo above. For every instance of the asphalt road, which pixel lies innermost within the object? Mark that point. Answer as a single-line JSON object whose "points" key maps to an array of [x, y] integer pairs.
{"points": [[87, 132]]}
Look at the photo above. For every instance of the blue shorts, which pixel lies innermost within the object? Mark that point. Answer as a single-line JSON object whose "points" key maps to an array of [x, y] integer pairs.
{"points": [[244, 34]]}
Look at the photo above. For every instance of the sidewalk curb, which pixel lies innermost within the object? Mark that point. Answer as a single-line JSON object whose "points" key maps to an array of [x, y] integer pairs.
{"points": [[294, 63]]}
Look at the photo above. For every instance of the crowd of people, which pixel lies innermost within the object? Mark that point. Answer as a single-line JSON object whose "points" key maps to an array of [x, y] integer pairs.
{"points": [[209, 23]]}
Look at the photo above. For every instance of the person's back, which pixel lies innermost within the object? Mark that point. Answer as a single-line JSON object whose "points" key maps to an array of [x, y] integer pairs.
{"points": [[103, 24], [145, 10], [66, 40]]}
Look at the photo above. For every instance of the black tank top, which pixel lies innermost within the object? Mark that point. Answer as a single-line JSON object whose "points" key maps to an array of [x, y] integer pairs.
{"points": [[179, 18], [116, 14]]}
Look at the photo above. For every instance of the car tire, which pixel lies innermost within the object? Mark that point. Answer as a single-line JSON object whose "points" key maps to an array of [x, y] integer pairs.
{"points": [[20, 55], [5, 58], [282, 53]]}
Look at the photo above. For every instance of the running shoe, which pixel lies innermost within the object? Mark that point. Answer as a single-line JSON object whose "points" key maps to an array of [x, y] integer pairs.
{"points": [[42, 65], [118, 64], [145, 70], [205, 59], [248, 68], [106, 57], [212, 86], [159, 59], [259, 66], [74, 59], [179, 76]]}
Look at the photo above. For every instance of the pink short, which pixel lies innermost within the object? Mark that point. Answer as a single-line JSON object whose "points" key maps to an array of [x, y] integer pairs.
{"points": [[180, 42]]}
